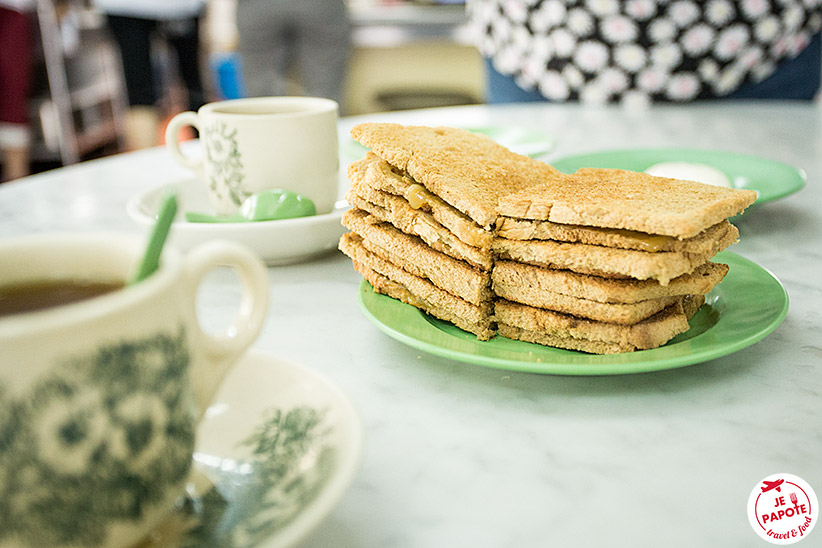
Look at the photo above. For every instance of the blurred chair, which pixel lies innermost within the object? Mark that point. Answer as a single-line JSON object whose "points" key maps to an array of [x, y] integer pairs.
{"points": [[79, 100]]}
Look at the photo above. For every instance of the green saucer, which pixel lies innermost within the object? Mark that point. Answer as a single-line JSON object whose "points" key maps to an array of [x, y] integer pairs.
{"points": [[769, 178]]}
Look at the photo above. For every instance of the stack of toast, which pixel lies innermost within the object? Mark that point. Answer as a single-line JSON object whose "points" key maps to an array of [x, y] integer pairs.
{"points": [[601, 261], [424, 215]]}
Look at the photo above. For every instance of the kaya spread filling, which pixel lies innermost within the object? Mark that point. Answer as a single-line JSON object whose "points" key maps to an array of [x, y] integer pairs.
{"points": [[418, 196]]}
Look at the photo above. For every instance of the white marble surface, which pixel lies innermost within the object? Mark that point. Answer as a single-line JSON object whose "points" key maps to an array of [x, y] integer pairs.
{"points": [[458, 455]]}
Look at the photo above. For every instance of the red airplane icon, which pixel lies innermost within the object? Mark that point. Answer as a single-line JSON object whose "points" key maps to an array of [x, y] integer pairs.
{"points": [[773, 485]]}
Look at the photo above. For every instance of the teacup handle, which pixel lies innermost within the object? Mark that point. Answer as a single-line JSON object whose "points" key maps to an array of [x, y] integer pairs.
{"points": [[188, 118], [221, 350]]}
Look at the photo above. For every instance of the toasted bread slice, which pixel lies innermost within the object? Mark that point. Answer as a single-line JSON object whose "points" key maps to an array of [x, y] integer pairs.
{"points": [[412, 255], [468, 171], [616, 313], [395, 290], [429, 230], [614, 198], [525, 283], [607, 261], [391, 280], [568, 343], [526, 323], [520, 229], [376, 181]]}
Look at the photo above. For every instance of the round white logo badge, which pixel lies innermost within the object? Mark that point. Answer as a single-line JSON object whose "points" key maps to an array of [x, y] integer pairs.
{"points": [[783, 509]]}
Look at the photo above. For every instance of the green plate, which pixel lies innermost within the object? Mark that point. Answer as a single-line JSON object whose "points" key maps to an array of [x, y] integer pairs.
{"points": [[769, 178], [748, 304], [528, 141]]}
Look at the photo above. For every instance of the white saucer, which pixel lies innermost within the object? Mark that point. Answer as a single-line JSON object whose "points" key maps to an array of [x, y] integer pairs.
{"points": [[277, 449], [277, 242]]}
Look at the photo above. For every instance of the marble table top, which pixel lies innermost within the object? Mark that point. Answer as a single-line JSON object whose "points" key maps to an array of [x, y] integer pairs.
{"points": [[460, 455]]}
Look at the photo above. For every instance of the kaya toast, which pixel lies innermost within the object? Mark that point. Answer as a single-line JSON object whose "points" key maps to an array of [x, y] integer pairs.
{"points": [[536, 325], [627, 200], [598, 260], [468, 171], [618, 301], [379, 190], [522, 229], [390, 200], [617, 223], [394, 281], [424, 214], [624, 254], [412, 255]]}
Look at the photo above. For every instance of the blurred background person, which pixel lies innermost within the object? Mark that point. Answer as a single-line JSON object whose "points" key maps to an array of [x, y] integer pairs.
{"points": [[136, 25], [16, 46], [283, 39], [643, 51]]}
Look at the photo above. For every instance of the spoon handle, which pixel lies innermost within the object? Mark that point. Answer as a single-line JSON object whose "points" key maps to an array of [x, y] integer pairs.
{"points": [[195, 217], [151, 258]]}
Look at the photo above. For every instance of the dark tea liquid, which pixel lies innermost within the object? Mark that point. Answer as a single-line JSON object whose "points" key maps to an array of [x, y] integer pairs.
{"points": [[31, 296]]}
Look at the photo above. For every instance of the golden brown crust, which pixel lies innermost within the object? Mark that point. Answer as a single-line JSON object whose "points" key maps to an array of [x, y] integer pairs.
{"points": [[414, 256], [351, 245], [628, 200], [691, 305], [607, 261], [468, 171], [566, 343], [390, 280], [525, 279], [616, 313], [552, 329], [523, 229], [429, 230], [374, 180]]}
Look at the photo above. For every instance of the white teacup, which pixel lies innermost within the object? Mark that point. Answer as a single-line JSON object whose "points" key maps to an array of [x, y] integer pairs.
{"points": [[263, 143], [100, 398]]}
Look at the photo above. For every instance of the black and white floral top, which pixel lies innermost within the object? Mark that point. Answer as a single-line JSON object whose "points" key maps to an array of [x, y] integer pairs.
{"points": [[640, 50]]}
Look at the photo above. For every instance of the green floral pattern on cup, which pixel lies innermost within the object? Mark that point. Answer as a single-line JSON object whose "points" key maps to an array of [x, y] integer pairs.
{"points": [[120, 422], [291, 460], [226, 171]]}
